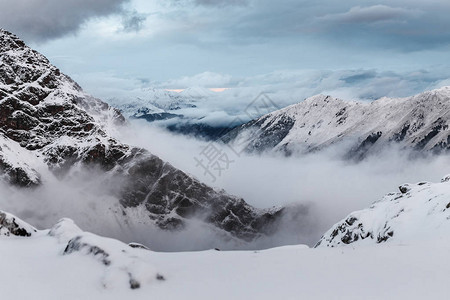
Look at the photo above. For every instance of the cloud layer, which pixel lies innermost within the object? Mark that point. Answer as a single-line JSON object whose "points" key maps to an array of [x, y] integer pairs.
{"points": [[284, 87], [327, 186]]}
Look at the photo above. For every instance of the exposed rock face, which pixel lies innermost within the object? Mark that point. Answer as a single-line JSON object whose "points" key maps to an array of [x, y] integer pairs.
{"points": [[43, 109], [269, 133], [46, 115], [170, 196], [11, 225], [419, 123], [417, 213]]}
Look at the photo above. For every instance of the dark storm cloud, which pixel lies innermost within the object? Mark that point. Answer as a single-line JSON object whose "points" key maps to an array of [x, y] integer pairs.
{"points": [[395, 24], [41, 20], [401, 25], [181, 38]]}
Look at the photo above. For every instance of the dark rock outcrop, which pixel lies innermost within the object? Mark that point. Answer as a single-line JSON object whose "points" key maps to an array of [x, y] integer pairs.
{"points": [[11, 225]]}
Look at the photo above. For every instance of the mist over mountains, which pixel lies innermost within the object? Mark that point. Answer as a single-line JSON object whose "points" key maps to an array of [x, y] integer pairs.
{"points": [[54, 135], [225, 150]]}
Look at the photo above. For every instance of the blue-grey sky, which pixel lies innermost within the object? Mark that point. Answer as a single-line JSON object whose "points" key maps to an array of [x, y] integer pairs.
{"points": [[375, 48]]}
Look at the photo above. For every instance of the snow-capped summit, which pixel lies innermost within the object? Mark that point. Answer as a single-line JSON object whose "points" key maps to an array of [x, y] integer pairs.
{"points": [[419, 122], [165, 100]]}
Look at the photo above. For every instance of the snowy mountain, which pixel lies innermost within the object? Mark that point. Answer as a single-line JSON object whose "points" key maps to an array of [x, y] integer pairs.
{"points": [[50, 128], [418, 123], [149, 100], [180, 112], [153, 100], [417, 213]]}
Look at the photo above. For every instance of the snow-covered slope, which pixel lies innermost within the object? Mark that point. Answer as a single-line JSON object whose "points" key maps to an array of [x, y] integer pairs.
{"points": [[417, 214], [68, 263], [50, 127], [67, 260], [17, 164], [420, 123]]}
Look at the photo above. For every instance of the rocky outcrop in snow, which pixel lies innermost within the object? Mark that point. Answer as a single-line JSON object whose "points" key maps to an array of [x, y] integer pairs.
{"points": [[122, 264], [11, 225], [418, 212]]}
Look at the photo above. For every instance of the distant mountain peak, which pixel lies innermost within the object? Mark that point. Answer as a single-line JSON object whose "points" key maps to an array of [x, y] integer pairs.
{"points": [[420, 122]]}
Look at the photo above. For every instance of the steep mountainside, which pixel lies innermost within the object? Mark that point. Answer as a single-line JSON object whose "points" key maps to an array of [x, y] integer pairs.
{"points": [[49, 126], [418, 213], [419, 123]]}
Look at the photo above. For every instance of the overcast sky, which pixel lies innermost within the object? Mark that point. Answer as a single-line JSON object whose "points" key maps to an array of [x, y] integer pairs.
{"points": [[392, 47]]}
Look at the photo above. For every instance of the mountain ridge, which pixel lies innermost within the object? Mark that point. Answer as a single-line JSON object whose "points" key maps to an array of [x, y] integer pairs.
{"points": [[420, 122]]}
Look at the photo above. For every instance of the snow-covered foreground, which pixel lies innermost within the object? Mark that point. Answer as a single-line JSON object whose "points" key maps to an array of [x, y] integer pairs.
{"points": [[67, 263], [297, 272], [33, 267], [354, 261]]}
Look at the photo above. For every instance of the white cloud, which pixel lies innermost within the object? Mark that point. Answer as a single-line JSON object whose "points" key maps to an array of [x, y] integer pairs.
{"points": [[205, 79]]}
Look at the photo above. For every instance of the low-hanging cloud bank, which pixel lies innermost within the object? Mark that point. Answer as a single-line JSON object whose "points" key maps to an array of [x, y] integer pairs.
{"points": [[329, 187], [87, 196], [318, 190]]}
